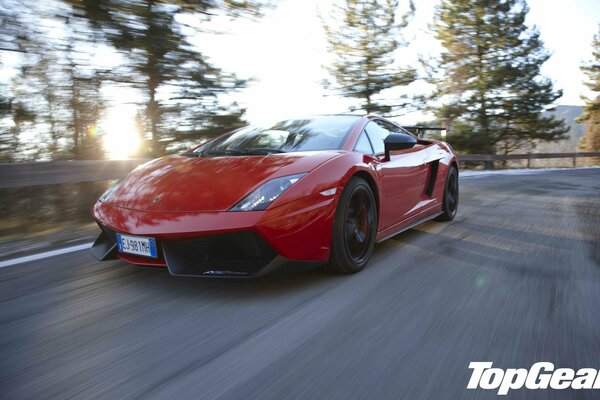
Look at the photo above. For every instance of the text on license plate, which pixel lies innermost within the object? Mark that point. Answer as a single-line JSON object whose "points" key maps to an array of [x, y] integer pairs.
{"points": [[141, 246]]}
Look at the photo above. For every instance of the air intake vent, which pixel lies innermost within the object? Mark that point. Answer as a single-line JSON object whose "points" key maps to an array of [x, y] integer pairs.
{"points": [[233, 254], [433, 171]]}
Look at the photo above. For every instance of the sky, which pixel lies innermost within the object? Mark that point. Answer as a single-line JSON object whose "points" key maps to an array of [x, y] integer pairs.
{"points": [[285, 51]]}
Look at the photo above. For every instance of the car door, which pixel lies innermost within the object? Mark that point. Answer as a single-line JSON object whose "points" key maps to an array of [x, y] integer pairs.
{"points": [[404, 176]]}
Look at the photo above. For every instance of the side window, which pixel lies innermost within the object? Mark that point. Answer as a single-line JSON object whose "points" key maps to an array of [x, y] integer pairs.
{"points": [[363, 145], [392, 127], [377, 133]]}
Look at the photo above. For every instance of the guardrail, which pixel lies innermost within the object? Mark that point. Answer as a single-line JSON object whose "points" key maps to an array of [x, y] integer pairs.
{"points": [[56, 172], [528, 157]]}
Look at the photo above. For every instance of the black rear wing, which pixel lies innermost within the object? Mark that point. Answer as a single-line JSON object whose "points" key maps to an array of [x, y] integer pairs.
{"points": [[420, 130]]}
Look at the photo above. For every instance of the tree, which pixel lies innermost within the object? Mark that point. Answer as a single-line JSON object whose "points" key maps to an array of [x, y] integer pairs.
{"points": [[591, 112], [174, 76], [11, 145], [54, 100], [13, 113], [490, 84], [364, 36], [55, 96]]}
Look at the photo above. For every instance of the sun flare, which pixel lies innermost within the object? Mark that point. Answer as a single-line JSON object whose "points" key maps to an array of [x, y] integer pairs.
{"points": [[121, 136]]}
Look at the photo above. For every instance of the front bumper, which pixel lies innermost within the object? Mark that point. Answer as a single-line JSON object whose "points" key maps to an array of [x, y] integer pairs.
{"points": [[239, 254], [233, 244]]}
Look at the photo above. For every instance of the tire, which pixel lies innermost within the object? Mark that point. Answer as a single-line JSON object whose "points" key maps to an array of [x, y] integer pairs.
{"points": [[450, 203], [354, 228]]}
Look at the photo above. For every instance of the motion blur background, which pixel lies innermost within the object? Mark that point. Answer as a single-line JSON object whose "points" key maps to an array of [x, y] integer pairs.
{"points": [[91, 88], [116, 79]]}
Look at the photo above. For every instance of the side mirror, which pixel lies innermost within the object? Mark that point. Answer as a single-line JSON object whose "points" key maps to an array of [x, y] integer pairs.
{"points": [[398, 141]]}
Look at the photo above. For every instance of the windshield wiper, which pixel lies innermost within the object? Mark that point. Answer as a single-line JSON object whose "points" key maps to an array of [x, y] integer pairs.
{"points": [[261, 151], [223, 153], [246, 152]]}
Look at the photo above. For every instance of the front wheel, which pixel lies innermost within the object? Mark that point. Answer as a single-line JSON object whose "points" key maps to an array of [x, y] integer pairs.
{"points": [[354, 228], [450, 205]]}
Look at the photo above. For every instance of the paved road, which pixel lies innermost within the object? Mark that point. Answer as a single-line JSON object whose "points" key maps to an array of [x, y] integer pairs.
{"points": [[514, 280]]}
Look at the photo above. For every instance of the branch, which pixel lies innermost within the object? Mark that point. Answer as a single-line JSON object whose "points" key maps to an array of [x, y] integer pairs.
{"points": [[13, 50]]}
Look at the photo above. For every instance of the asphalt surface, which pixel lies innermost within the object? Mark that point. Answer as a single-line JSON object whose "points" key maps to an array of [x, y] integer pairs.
{"points": [[515, 279]]}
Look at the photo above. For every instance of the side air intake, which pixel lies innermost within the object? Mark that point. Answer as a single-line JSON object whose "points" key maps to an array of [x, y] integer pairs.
{"points": [[433, 172]]}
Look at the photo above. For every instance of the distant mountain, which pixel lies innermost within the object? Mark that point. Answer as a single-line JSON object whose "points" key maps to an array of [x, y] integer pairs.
{"points": [[568, 114]]}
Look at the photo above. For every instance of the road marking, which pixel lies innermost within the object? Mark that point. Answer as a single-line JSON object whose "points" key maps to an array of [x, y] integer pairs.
{"points": [[46, 254]]}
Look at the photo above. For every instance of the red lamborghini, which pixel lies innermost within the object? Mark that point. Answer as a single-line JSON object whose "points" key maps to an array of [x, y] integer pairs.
{"points": [[323, 189]]}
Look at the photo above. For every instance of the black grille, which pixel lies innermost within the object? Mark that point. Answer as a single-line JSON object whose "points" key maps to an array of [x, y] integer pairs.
{"points": [[240, 253]]}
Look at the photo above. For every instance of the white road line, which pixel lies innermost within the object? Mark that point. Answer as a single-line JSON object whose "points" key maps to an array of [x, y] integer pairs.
{"points": [[46, 254]]}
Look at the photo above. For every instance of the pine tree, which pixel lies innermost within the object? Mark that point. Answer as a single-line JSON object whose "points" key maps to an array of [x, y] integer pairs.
{"points": [[161, 57], [55, 97], [364, 36], [591, 112], [491, 88], [12, 106]]}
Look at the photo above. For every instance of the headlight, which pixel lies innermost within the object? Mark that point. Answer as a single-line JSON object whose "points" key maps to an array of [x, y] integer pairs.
{"points": [[109, 192], [262, 197]]}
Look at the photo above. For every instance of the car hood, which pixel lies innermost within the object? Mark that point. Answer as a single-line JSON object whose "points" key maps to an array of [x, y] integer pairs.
{"points": [[181, 183]]}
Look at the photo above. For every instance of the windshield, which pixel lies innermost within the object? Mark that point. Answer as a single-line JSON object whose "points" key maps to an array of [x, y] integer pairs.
{"points": [[317, 133]]}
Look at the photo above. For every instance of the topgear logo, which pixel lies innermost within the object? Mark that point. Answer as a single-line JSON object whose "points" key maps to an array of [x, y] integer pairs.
{"points": [[541, 375]]}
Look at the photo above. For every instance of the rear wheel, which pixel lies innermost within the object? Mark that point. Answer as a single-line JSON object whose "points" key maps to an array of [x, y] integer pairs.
{"points": [[450, 205], [354, 228]]}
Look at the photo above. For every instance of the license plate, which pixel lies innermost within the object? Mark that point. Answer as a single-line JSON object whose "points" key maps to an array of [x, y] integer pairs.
{"points": [[141, 246]]}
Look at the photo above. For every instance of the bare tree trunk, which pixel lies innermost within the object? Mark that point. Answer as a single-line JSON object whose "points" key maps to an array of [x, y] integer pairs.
{"points": [[154, 117]]}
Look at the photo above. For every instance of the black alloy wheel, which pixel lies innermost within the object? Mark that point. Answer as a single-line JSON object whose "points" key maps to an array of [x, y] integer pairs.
{"points": [[450, 204], [354, 228]]}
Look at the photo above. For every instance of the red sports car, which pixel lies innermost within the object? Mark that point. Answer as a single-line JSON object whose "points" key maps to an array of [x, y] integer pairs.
{"points": [[323, 189]]}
